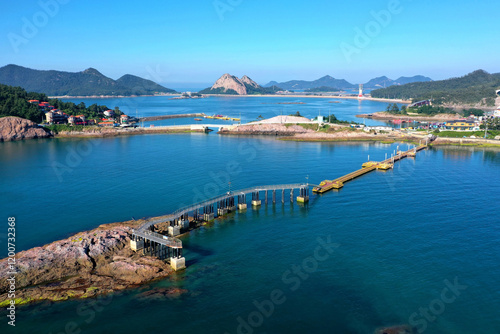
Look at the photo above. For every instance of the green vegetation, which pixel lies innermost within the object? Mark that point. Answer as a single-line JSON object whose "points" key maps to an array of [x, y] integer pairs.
{"points": [[86, 83], [261, 90], [461, 134], [473, 111], [297, 114], [322, 89], [424, 110], [493, 124], [56, 128], [219, 90], [334, 120], [476, 87], [14, 102]]}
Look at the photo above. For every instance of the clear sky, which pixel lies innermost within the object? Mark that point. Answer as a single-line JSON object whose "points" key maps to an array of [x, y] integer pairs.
{"points": [[198, 41]]}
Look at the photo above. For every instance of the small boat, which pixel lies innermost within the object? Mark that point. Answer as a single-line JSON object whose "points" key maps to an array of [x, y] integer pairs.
{"points": [[326, 185], [385, 166], [222, 117], [369, 164], [198, 119]]}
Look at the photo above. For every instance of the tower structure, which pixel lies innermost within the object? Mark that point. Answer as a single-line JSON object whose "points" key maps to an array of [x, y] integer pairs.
{"points": [[360, 91]]}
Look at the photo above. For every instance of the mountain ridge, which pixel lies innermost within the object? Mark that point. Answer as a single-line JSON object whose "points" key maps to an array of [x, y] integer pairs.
{"points": [[88, 82], [476, 89], [329, 81]]}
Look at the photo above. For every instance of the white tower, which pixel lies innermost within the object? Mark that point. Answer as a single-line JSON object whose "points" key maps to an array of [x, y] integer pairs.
{"points": [[360, 91]]}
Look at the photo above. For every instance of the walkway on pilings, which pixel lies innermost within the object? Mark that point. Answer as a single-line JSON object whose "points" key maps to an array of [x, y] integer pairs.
{"points": [[221, 198]]}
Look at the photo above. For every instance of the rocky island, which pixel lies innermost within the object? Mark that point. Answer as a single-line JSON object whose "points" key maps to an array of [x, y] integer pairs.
{"points": [[84, 265]]}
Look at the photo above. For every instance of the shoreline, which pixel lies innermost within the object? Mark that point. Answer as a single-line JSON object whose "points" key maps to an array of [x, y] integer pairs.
{"points": [[384, 116], [108, 96], [126, 132], [318, 97]]}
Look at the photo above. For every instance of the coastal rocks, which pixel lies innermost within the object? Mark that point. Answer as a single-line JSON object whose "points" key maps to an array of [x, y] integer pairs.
{"points": [[84, 265], [402, 329], [268, 129], [162, 293], [17, 128]]}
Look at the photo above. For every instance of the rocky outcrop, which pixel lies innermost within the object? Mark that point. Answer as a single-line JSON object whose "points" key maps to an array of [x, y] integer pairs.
{"points": [[245, 79], [401, 329], [84, 265], [267, 129], [230, 84], [228, 81], [17, 128]]}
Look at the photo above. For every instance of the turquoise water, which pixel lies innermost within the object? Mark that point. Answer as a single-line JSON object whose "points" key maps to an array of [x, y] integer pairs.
{"points": [[398, 237], [246, 108]]}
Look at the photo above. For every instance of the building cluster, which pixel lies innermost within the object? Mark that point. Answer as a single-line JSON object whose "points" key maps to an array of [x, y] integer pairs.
{"points": [[56, 116]]}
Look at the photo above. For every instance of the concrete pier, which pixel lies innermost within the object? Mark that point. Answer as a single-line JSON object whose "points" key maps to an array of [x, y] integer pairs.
{"points": [[302, 199], [242, 206], [177, 263], [174, 231], [208, 217], [222, 212], [136, 245]]}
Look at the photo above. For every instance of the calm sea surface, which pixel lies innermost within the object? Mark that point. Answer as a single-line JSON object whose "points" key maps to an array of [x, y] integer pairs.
{"points": [[418, 244]]}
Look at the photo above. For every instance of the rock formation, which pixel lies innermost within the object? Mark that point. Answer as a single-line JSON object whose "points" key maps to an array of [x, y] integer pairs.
{"points": [[84, 265], [228, 81], [17, 128], [230, 84]]}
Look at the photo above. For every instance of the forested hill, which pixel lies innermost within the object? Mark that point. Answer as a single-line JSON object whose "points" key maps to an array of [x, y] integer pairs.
{"points": [[14, 102], [477, 88], [86, 83]]}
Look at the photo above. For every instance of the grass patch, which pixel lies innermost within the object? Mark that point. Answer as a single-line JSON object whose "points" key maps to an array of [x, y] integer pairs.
{"points": [[461, 134]]}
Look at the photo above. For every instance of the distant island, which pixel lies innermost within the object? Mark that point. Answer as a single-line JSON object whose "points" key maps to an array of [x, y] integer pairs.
{"points": [[339, 84], [231, 85], [476, 89], [322, 89], [86, 83]]}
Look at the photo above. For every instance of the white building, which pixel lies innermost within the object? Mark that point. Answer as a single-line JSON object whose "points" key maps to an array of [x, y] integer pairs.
{"points": [[378, 128], [496, 113]]}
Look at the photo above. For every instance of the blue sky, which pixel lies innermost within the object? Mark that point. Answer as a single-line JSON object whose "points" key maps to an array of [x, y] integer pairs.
{"points": [[197, 41]]}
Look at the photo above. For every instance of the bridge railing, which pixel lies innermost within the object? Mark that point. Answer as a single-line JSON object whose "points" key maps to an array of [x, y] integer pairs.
{"points": [[176, 214]]}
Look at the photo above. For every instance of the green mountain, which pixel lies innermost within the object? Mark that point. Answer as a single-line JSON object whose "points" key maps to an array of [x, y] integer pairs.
{"points": [[476, 88], [322, 89], [86, 83], [326, 81]]}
